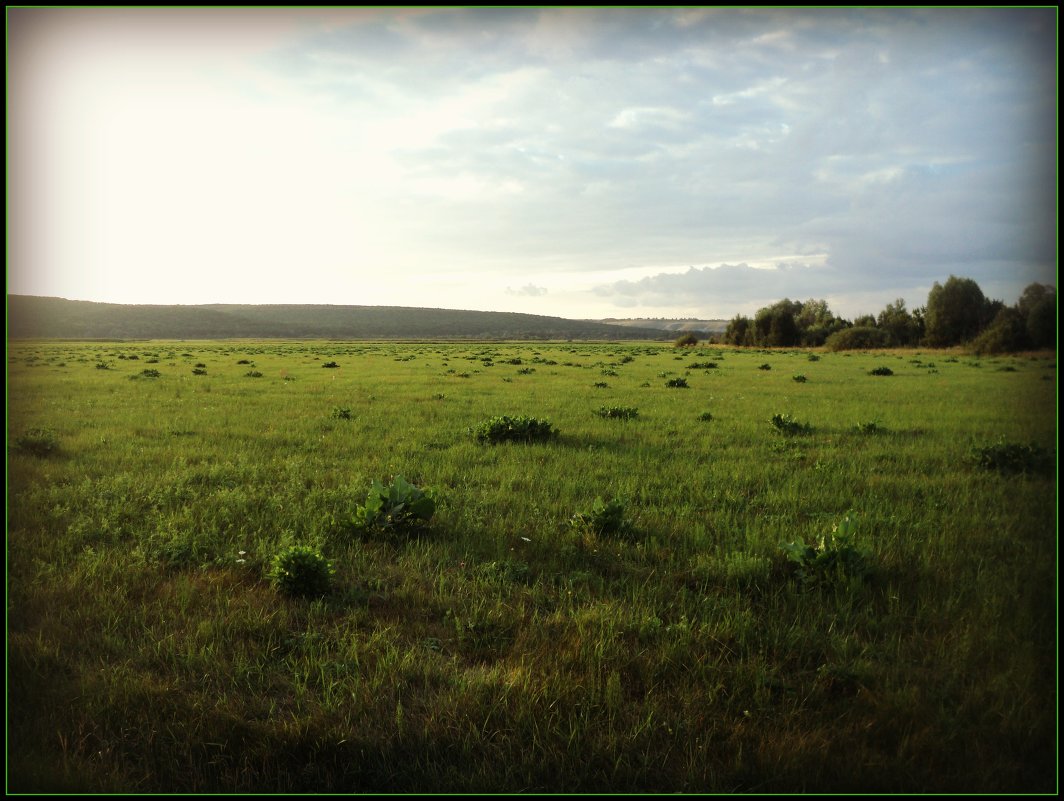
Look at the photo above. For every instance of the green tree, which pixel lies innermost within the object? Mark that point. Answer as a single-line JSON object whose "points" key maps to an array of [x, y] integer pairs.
{"points": [[864, 321], [740, 331], [955, 312], [775, 326], [1038, 307], [1007, 333], [899, 324]]}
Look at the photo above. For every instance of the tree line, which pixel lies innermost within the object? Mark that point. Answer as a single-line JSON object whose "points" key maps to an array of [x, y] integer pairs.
{"points": [[956, 313]]}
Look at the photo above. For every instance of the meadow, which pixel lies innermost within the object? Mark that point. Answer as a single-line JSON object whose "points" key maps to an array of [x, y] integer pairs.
{"points": [[720, 640]]}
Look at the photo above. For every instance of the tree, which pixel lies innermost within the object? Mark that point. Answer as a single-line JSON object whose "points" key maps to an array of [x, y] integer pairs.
{"points": [[1007, 333], [864, 321], [774, 325], [687, 340], [739, 331], [1038, 307], [955, 312], [899, 324]]}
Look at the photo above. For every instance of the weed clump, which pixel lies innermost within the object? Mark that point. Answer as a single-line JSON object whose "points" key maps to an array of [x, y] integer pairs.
{"points": [[833, 560], [618, 412], [787, 425], [396, 506], [677, 383], [604, 518], [801, 379], [38, 441], [515, 429], [881, 371], [1012, 458], [302, 571], [341, 413]]}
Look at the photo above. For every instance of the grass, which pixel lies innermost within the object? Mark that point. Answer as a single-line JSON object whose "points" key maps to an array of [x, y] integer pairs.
{"points": [[497, 649]]}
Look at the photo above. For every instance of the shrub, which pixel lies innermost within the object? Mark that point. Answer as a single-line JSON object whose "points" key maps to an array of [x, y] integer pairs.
{"points": [[302, 571], [150, 372], [881, 371], [687, 340], [198, 371], [399, 505], [1011, 458], [253, 374], [516, 429], [243, 361], [764, 367], [705, 417], [618, 412], [330, 364], [801, 379], [680, 383], [38, 441], [857, 338], [834, 559], [702, 366], [605, 517], [341, 413], [785, 424]]}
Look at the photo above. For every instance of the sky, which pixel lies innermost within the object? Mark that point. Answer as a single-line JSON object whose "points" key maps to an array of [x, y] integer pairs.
{"points": [[574, 162]]}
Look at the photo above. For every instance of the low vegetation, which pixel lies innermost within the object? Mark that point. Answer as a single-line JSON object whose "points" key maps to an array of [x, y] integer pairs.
{"points": [[364, 580]]}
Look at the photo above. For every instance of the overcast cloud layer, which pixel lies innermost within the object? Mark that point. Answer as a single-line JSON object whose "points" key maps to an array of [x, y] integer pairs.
{"points": [[583, 163]]}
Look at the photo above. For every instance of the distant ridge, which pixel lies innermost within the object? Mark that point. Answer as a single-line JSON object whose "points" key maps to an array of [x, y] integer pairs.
{"points": [[33, 317]]}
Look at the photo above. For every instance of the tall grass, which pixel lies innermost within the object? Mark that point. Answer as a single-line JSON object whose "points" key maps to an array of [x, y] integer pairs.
{"points": [[499, 648]]}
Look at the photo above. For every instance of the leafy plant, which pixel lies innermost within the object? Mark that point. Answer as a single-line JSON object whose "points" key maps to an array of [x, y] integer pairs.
{"points": [[198, 371], [680, 383], [870, 427], [835, 557], [1011, 458], [399, 505], [881, 371], [764, 367], [253, 374], [341, 413], [705, 417], [303, 571], [604, 517], [330, 364], [38, 441], [801, 379], [515, 429], [150, 372], [618, 412], [785, 424], [702, 366]]}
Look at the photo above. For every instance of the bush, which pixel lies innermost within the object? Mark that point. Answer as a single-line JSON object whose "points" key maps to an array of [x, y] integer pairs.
{"points": [[341, 413], [785, 424], [38, 441], [834, 559], [687, 340], [1011, 458], [764, 367], [801, 379], [515, 429], [705, 417], [871, 427], [253, 374], [618, 412], [702, 366], [857, 338], [302, 571], [330, 364], [603, 518], [150, 372], [399, 505], [679, 383], [881, 371]]}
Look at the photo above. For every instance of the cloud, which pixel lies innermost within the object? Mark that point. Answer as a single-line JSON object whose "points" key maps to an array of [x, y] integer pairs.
{"points": [[528, 291]]}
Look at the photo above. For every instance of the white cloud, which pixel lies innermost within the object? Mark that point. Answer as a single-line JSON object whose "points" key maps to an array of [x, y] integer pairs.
{"points": [[203, 154]]}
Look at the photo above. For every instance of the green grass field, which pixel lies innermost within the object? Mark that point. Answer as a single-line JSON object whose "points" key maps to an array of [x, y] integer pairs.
{"points": [[501, 648]]}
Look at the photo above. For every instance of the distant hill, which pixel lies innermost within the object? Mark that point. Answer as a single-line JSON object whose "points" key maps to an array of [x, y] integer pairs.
{"points": [[664, 324], [32, 317]]}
